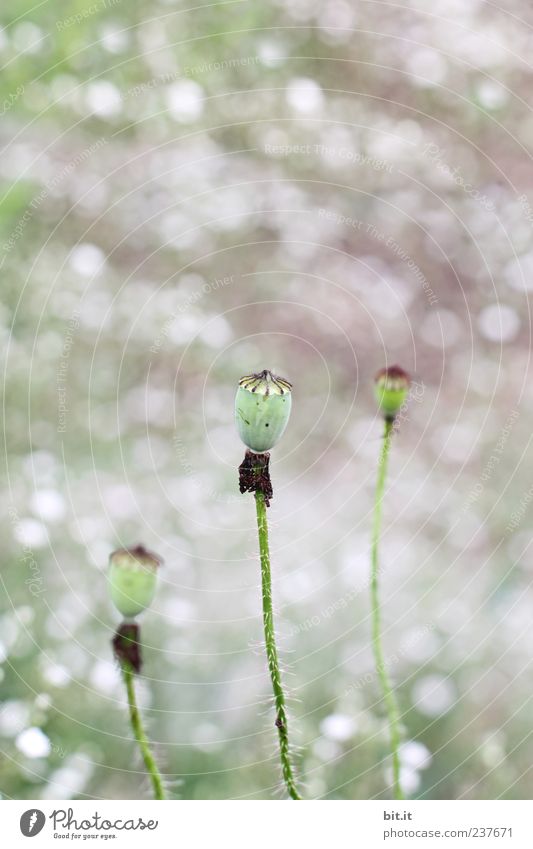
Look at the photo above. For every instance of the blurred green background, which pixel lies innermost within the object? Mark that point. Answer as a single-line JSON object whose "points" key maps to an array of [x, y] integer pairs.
{"points": [[321, 189]]}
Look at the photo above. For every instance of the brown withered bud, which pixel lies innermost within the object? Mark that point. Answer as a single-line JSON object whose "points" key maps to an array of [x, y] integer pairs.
{"points": [[127, 646], [254, 475]]}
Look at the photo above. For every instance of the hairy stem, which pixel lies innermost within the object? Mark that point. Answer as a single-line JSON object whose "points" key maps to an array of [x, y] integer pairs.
{"points": [[140, 735], [388, 694], [271, 650]]}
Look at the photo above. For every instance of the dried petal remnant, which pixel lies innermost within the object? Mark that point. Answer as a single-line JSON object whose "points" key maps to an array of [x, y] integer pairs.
{"points": [[254, 475], [126, 645]]}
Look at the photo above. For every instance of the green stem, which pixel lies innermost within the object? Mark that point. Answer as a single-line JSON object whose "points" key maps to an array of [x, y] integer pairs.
{"points": [[271, 650], [388, 694], [140, 735]]}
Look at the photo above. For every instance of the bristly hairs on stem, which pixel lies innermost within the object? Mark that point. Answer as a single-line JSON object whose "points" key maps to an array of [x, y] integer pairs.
{"points": [[132, 584], [281, 721], [391, 389], [262, 408], [126, 646]]}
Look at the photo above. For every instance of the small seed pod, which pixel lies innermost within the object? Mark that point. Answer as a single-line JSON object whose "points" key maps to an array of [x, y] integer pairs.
{"points": [[391, 389], [262, 409], [133, 579]]}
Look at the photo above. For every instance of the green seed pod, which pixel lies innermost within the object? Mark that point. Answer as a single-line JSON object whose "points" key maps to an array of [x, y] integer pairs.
{"points": [[262, 409], [132, 579], [391, 389]]}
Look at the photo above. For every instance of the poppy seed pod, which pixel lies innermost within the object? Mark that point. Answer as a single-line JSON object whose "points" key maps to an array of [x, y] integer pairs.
{"points": [[133, 579], [262, 409], [391, 389]]}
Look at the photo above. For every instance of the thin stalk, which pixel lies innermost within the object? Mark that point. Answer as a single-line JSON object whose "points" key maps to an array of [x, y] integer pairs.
{"points": [[140, 735], [271, 650], [388, 694]]}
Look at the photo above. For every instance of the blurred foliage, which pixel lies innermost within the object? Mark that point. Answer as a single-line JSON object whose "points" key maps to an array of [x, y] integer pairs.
{"points": [[191, 195]]}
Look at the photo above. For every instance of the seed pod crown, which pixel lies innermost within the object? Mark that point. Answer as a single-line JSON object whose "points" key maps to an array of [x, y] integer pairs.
{"points": [[262, 409]]}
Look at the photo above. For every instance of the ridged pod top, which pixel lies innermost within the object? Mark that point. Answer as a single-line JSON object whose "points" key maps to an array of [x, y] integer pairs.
{"points": [[265, 383]]}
